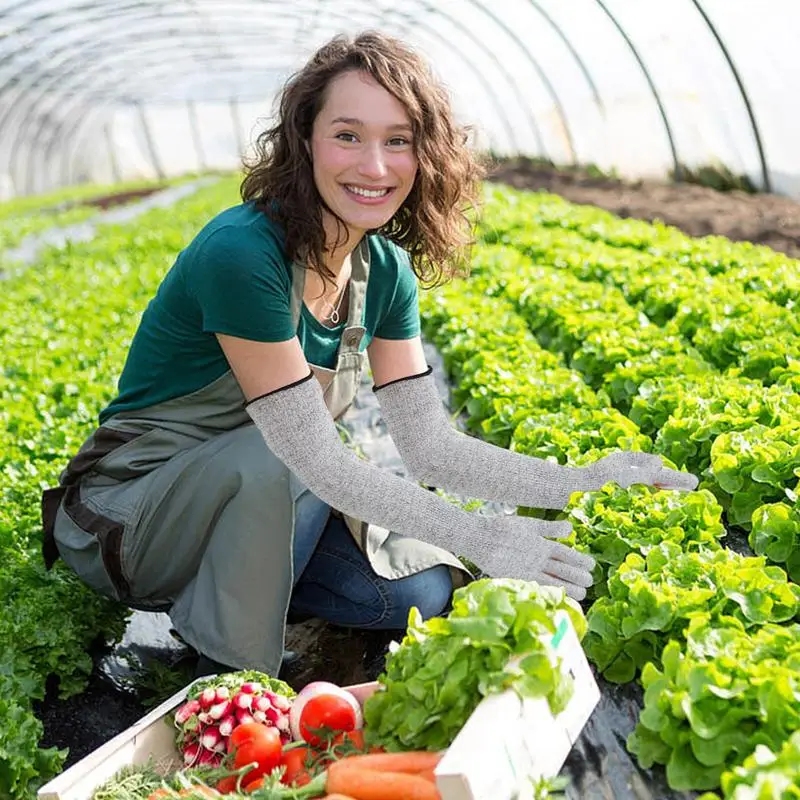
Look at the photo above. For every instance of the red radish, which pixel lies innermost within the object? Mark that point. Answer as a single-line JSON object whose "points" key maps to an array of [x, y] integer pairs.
{"points": [[243, 700], [244, 716], [186, 711], [222, 693], [277, 701], [208, 697], [227, 725], [209, 759], [251, 687], [211, 738], [283, 724], [191, 753], [220, 710], [204, 717], [323, 705], [261, 704], [260, 716]]}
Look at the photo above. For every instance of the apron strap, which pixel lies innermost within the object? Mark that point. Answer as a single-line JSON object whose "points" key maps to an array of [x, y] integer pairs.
{"points": [[354, 330]]}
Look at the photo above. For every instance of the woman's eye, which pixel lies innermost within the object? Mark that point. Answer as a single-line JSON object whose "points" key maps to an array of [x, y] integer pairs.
{"points": [[346, 137], [398, 141]]}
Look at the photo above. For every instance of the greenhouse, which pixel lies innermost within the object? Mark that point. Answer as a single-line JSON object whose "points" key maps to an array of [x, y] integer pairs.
{"points": [[399, 400]]}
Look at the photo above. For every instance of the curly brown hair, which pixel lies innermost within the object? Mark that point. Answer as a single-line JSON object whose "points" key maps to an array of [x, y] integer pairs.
{"points": [[433, 225]]}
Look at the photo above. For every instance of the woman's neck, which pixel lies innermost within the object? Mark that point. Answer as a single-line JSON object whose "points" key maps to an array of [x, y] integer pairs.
{"points": [[338, 246]]}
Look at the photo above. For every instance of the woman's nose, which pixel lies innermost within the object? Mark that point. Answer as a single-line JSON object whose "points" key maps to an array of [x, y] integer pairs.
{"points": [[372, 163]]}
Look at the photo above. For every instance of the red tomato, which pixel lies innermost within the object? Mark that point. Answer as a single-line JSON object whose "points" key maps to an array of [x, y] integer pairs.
{"points": [[246, 732], [326, 713], [296, 762], [264, 748], [253, 785]]}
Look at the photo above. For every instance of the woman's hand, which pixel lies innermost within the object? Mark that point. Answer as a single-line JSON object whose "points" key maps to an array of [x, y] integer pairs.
{"points": [[627, 467]]}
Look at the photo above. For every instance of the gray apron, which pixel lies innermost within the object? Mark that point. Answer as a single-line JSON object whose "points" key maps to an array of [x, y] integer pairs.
{"points": [[181, 507]]}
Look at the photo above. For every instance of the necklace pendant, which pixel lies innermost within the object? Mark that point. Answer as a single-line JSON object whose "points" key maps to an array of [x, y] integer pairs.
{"points": [[334, 317]]}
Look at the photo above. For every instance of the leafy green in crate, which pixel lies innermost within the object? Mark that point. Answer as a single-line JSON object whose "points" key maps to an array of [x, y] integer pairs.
{"points": [[717, 697], [445, 666], [651, 601]]}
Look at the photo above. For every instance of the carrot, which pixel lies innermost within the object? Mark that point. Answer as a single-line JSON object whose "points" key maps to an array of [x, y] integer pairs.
{"points": [[371, 785], [428, 774], [409, 763], [338, 796]]}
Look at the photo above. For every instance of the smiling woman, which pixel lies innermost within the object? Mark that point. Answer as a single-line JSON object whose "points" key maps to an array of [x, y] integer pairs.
{"points": [[216, 486]]}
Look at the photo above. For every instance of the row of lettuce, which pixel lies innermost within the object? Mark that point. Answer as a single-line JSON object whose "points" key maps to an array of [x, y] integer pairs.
{"points": [[65, 325], [553, 358], [32, 215]]}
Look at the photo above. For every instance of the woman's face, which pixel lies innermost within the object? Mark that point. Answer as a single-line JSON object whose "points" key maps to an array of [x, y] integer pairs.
{"points": [[362, 152]]}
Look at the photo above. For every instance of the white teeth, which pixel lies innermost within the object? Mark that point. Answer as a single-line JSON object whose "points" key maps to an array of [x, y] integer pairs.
{"points": [[368, 192]]}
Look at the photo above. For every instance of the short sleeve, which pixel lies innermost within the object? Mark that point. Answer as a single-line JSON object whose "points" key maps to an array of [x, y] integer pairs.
{"points": [[401, 320], [242, 286]]}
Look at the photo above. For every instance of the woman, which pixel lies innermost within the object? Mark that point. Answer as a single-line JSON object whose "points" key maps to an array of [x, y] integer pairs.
{"points": [[208, 488]]}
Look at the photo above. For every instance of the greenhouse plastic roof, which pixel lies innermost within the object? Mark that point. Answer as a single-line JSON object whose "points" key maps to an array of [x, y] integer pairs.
{"points": [[641, 86]]}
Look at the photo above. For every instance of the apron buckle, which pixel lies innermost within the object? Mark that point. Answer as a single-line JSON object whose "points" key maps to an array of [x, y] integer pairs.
{"points": [[352, 337]]}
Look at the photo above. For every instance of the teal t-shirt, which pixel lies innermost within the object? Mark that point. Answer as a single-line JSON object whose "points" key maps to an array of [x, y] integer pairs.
{"points": [[235, 278]]}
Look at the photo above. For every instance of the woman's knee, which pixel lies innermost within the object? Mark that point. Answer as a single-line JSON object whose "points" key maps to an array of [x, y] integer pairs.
{"points": [[430, 591]]}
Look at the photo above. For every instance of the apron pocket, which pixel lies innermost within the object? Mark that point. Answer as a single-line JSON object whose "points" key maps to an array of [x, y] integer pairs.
{"points": [[90, 542]]}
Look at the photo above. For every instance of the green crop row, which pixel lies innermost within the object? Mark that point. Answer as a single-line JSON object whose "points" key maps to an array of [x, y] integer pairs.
{"points": [[660, 566], [65, 325], [730, 326], [741, 437], [754, 267], [31, 215]]}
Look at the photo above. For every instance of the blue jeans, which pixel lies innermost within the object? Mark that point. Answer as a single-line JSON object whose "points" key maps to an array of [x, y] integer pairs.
{"points": [[334, 580]]}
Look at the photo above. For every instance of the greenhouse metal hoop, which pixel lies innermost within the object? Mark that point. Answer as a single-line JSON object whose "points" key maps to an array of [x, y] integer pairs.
{"points": [[431, 30], [762, 157], [24, 113]]}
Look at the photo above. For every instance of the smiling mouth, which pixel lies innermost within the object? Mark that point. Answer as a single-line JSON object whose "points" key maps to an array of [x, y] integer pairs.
{"points": [[373, 193]]}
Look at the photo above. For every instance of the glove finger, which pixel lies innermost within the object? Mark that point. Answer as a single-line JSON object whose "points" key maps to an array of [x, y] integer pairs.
{"points": [[568, 573], [553, 530], [672, 479], [568, 555], [575, 592], [635, 458]]}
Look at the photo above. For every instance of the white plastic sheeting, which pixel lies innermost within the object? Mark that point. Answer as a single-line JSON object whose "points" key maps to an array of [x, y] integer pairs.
{"points": [[107, 89]]}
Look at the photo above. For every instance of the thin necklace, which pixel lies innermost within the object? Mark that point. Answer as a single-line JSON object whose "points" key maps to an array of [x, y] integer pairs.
{"points": [[333, 315]]}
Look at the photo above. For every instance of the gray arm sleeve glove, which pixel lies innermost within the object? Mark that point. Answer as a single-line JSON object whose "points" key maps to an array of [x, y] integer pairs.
{"points": [[298, 428], [437, 454]]}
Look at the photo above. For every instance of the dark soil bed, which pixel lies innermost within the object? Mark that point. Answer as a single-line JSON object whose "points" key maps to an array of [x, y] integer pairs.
{"points": [[766, 219], [121, 198]]}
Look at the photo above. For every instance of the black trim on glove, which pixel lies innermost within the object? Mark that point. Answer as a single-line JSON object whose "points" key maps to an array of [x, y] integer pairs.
{"points": [[400, 380], [280, 389]]}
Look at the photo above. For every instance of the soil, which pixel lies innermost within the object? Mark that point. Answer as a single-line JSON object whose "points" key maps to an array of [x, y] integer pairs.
{"points": [[766, 219], [121, 198]]}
